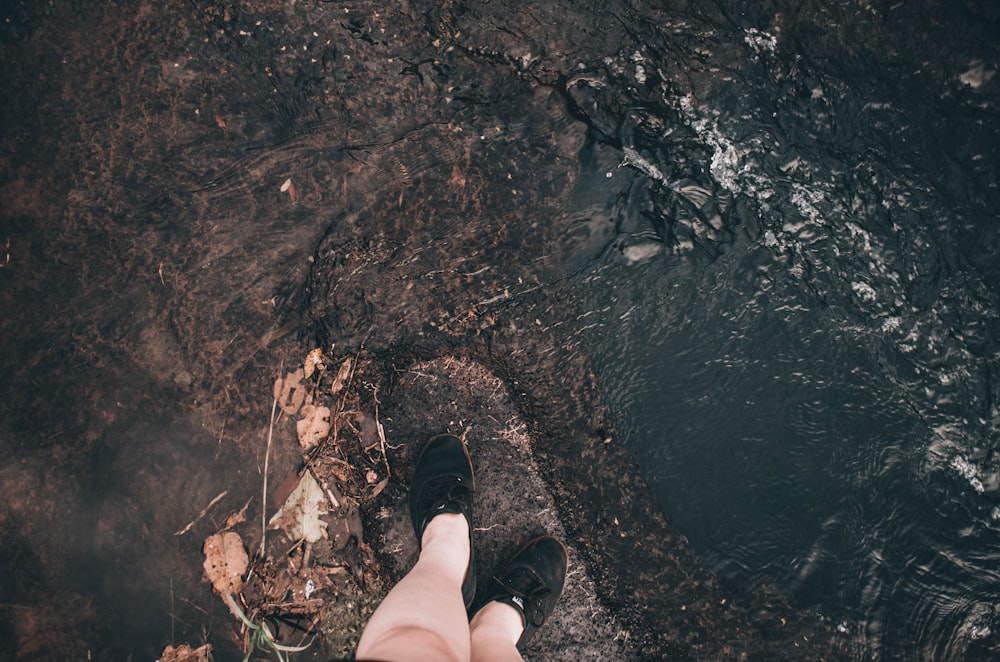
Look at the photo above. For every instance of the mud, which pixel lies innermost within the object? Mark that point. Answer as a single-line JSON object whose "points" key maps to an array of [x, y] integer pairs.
{"points": [[195, 195]]}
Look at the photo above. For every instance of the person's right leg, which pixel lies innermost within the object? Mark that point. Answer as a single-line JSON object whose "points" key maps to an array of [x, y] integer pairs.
{"points": [[495, 630], [520, 600]]}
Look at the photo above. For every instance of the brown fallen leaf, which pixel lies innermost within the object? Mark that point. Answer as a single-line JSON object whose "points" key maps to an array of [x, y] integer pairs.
{"points": [[313, 427], [290, 392], [185, 653], [225, 561], [237, 518], [343, 374], [301, 515], [368, 432], [314, 361]]}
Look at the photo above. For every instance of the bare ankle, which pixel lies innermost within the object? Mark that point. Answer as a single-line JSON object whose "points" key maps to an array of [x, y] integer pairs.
{"points": [[451, 527], [499, 616]]}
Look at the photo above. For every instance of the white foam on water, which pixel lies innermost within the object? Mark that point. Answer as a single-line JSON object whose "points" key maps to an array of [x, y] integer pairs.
{"points": [[977, 75], [642, 252], [726, 166], [761, 42], [865, 291], [968, 471]]}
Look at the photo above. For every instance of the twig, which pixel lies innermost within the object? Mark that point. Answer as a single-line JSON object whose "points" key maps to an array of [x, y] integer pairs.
{"points": [[309, 630], [267, 459], [489, 528], [173, 617], [298, 543], [201, 514], [191, 604], [381, 435]]}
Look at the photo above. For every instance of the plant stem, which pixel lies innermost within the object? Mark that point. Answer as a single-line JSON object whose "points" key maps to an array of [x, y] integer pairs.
{"points": [[267, 459]]}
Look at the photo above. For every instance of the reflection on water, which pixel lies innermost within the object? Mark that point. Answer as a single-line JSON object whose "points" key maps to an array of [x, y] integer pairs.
{"points": [[806, 372]]}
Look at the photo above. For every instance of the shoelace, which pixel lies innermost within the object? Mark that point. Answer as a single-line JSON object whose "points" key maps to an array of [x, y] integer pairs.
{"points": [[528, 591], [441, 493]]}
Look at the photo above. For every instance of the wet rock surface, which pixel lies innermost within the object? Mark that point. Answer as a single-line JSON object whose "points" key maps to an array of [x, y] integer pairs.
{"points": [[195, 195]]}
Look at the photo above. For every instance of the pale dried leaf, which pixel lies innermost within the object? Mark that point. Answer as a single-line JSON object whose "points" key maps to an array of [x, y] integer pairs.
{"points": [[313, 427], [300, 517], [290, 392], [185, 653], [314, 361], [343, 374], [225, 561], [237, 518]]}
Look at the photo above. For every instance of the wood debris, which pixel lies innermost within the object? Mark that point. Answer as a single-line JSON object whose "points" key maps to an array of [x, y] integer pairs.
{"points": [[185, 653], [318, 550]]}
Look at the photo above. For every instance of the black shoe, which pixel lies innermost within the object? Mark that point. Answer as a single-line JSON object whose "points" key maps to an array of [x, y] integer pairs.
{"points": [[532, 582], [442, 483]]}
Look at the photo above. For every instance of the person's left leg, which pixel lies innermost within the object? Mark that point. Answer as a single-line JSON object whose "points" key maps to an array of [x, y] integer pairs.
{"points": [[424, 617]]}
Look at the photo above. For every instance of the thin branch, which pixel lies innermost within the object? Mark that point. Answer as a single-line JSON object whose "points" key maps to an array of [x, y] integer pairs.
{"points": [[201, 514], [267, 459]]}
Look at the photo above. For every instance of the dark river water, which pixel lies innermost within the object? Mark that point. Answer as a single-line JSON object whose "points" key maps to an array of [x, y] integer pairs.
{"points": [[796, 297], [785, 232]]}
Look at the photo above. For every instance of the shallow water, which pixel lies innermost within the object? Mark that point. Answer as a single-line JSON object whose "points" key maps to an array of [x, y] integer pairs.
{"points": [[793, 273], [783, 233]]}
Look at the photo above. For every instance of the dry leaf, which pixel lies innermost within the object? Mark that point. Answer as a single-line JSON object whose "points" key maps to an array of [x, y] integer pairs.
{"points": [[368, 431], [299, 517], [237, 518], [185, 653], [314, 425], [343, 374], [225, 562], [290, 392], [314, 361]]}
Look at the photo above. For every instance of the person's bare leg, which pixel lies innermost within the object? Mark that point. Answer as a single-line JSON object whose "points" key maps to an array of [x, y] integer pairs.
{"points": [[520, 601], [423, 617], [495, 630]]}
